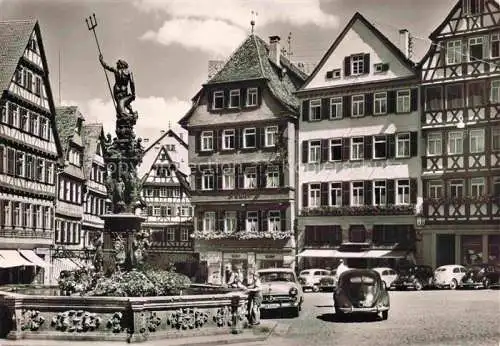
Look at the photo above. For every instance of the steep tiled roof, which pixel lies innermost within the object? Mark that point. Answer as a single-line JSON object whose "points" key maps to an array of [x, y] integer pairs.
{"points": [[91, 135], [14, 38], [66, 120]]}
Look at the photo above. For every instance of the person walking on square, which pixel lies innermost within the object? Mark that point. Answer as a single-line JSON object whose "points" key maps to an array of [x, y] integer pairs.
{"points": [[254, 299]]}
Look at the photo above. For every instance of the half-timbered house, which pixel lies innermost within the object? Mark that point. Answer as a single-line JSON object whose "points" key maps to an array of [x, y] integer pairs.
{"points": [[461, 129], [29, 150]]}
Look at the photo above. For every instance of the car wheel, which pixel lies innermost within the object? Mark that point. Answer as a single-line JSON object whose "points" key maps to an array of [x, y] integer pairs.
{"points": [[300, 304], [315, 288], [453, 284], [418, 285], [385, 315], [486, 283]]}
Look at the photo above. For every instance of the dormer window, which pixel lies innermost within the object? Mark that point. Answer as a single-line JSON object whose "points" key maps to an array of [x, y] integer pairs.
{"points": [[252, 94], [333, 74], [234, 98], [473, 7], [357, 64], [218, 101]]}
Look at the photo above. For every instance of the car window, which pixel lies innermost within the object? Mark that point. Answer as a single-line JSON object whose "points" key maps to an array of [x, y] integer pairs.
{"points": [[361, 279], [305, 272], [276, 276], [462, 270], [441, 269], [385, 272], [392, 272], [456, 270], [318, 272]]}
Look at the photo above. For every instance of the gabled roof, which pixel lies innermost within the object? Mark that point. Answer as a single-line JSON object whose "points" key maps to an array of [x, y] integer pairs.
{"points": [[358, 16], [66, 121], [171, 133], [92, 133]]}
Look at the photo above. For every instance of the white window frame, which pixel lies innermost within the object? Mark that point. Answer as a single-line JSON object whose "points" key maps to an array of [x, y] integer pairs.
{"points": [[357, 64], [170, 234], [228, 179], [250, 178], [377, 140], [249, 132], [337, 104], [272, 177], [357, 106], [315, 110], [184, 234], [218, 95], [207, 180], [360, 149], [435, 142], [314, 195], [357, 199], [334, 142], [335, 187], [234, 93], [380, 103], [456, 185], [454, 52], [477, 187], [271, 136], [209, 221], [252, 97], [274, 221], [380, 190], [207, 141], [495, 138], [314, 147], [455, 137], [226, 135], [435, 188], [230, 223], [495, 91], [403, 142], [476, 141], [403, 101], [252, 221], [156, 211], [475, 41], [495, 37], [404, 197]]}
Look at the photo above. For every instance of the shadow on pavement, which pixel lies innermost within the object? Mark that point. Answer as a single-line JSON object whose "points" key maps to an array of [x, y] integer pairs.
{"points": [[276, 314], [334, 318], [324, 306]]}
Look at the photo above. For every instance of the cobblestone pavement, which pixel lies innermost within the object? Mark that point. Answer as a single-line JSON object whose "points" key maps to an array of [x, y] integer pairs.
{"points": [[458, 318]]}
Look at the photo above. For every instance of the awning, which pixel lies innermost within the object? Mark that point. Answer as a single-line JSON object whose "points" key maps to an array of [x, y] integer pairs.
{"points": [[340, 254], [64, 264], [396, 254], [318, 253], [12, 258], [31, 256], [377, 253]]}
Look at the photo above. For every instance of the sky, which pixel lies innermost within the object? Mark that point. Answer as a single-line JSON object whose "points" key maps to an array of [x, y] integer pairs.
{"points": [[168, 43]]}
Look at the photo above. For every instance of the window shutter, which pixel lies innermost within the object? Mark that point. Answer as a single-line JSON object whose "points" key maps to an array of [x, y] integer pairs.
{"points": [[243, 97], [210, 99], [263, 137], [197, 180], [346, 104], [391, 146], [200, 222], [414, 100], [1, 158], [325, 109], [367, 63], [219, 221], [413, 143], [324, 150], [390, 191], [368, 146], [305, 195], [220, 137], [305, 151], [197, 141], [263, 177], [241, 133], [240, 220], [324, 194], [258, 176], [345, 149], [226, 98], [305, 110], [368, 192], [240, 177], [263, 221], [282, 176], [347, 66], [283, 220], [385, 67], [413, 190], [216, 140], [258, 139], [368, 104], [391, 101], [260, 91], [237, 138], [218, 176], [346, 193]]}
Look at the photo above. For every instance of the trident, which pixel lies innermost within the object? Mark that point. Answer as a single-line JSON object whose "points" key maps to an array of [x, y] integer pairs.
{"points": [[91, 25]]}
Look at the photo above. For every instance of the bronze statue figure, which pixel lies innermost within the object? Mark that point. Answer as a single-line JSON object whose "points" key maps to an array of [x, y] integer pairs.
{"points": [[123, 78]]}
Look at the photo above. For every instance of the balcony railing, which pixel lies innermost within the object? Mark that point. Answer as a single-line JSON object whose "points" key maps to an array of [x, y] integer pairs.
{"points": [[364, 210], [242, 235]]}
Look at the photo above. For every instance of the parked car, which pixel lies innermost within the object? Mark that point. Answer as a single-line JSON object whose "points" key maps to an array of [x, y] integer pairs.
{"points": [[482, 275], [449, 276], [309, 279], [281, 290], [328, 283], [361, 291], [417, 277], [388, 275]]}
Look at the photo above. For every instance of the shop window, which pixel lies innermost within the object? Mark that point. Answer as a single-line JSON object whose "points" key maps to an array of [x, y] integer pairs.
{"points": [[494, 249], [357, 234], [472, 249]]}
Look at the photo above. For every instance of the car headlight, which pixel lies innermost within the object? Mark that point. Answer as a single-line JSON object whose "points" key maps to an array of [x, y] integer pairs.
{"points": [[293, 291]]}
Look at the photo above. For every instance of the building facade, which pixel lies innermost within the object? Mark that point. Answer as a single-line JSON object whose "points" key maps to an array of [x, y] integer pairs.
{"points": [[359, 154], [461, 128], [165, 191], [29, 150], [242, 128]]}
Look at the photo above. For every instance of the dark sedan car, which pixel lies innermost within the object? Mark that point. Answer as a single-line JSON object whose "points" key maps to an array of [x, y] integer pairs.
{"points": [[361, 291], [416, 277], [481, 276]]}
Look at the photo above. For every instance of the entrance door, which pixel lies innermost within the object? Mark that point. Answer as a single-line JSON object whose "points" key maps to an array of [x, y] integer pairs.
{"points": [[445, 249]]}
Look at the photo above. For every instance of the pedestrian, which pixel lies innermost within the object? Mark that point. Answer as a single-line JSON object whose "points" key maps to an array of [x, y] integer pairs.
{"points": [[228, 273], [254, 299], [341, 268]]}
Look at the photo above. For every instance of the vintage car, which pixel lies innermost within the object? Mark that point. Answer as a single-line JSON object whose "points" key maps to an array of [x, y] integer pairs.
{"points": [[414, 276], [449, 276], [361, 291], [310, 278], [388, 275], [281, 290], [328, 283], [481, 276]]}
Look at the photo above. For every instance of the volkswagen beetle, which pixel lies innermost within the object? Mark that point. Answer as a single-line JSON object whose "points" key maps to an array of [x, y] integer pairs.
{"points": [[361, 291], [281, 290]]}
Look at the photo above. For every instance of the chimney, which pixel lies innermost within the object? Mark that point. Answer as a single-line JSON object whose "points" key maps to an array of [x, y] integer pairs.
{"points": [[404, 42], [214, 66], [274, 49]]}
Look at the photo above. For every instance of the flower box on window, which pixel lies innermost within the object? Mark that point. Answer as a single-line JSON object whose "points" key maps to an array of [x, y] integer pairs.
{"points": [[364, 210], [241, 235]]}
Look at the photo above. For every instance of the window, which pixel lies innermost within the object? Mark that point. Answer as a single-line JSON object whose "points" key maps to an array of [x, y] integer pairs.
{"points": [[403, 145], [380, 67], [314, 151], [28, 80], [336, 108], [249, 138], [433, 98], [271, 136], [336, 194], [334, 74], [358, 105], [228, 179], [252, 221], [475, 49], [207, 181], [209, 221], [314, 196], [495, 45], [23, 119], [379, 192], [456, 188], [434, 144], [476, 95], [156, 210], [496, 187], [403, 191], [38, 86], [435, 189], [184, 234], [20, 164], [455, 142], [357, 151], [476, 141], [357, 65], [380, 103], [473, 7], [495, 138], [207, 141], [234, 98], [228, 139], [336, 149], [18, 77], [274, 221], [403, 101], [495, 91], [252, 97], [357, 197], [477, 187], [272, 177], [250, 178], [230, 221], [454, 96], [379, 147], [315, 110], [218, 101], [454, 52]]}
